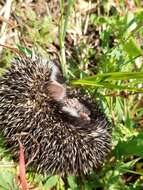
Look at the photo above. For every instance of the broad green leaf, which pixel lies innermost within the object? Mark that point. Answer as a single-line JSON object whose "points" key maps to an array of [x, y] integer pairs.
{"points": [[7, 180], [132, 48], [107, 85], [133, 146], [72, 182], [101, 80], [51, 182], [60, 184], [113, 76], [126, 167]]}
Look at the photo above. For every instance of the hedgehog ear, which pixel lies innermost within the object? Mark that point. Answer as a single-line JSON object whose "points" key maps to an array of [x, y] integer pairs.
{"points": [[55, 72], [56, 90]]}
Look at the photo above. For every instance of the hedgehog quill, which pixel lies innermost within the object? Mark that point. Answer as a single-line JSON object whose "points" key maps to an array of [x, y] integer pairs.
{"points": [[66, 126]]}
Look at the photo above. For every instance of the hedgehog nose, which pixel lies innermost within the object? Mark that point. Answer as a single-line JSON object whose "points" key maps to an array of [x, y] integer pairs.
{"points": [[84, 116]]}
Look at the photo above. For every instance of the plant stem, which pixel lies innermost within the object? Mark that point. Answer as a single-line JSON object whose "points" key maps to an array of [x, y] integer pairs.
{"points": [[62, 33]]}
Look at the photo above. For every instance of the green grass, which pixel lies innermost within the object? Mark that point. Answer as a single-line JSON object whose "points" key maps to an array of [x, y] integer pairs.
{"points": [[111, 68]]}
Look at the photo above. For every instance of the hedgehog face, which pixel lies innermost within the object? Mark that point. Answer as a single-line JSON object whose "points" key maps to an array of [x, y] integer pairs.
{"points": [[74, 108]]}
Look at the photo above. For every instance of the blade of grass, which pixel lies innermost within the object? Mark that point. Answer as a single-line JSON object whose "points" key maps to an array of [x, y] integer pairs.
{"points": [[62, 32], [113, 76], [106, 85]]}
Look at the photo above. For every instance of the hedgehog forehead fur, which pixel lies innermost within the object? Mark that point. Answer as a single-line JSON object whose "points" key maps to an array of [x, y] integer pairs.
{"points": [[59, 141]]}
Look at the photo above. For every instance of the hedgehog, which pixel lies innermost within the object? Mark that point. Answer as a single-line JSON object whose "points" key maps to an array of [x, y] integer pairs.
{"points": [[63, 130]]}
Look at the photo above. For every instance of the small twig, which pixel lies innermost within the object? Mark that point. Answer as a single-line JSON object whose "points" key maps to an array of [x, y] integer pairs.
{"points": [[22, 170], [22, 165], [38, 146], [122, 94], [87, 19], [6, 15], [4, 25], [38, 149], [14, 50], [9, 22], [62, 32], [2, 10], [129, 5], [61, 39]]}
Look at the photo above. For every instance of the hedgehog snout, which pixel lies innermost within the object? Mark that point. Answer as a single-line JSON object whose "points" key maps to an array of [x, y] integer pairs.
{"points": [[84, 116], [74, 108]]}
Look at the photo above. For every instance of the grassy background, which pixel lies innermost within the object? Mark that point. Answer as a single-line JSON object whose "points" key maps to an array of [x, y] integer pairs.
{"points": [[99, 45]]}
